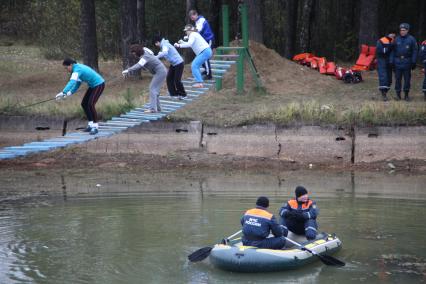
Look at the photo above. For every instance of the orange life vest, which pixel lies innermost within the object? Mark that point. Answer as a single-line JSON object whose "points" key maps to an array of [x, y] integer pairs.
{"points": [[294, 205]]}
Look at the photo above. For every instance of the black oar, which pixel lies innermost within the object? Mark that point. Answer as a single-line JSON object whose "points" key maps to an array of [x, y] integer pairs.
{"points": [[204, 252], [326, 259], [39, 103]]}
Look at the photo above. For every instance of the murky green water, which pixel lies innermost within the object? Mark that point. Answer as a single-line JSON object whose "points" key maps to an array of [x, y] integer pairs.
{"points": [[140, 227]]}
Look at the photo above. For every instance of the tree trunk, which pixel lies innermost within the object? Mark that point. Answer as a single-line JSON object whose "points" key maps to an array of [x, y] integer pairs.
{"points": [[422, 11], [215, 23], [88, 31], [188, 55], [369, 22], [129, 23], [305, 25], [141, 20], [255, 20], [291, 26], [190, 5]]}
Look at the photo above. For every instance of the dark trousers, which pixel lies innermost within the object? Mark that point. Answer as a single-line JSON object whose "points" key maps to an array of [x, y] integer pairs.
{"points": [[268, 243], [89, 101], [399, 74], [385, 74], [174, 80], [307, 228], [424, 80]]}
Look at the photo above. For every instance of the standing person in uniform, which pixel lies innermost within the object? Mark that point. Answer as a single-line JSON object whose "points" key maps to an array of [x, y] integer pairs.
{"points": [[149, 62], [258, 223], [174, 75], [202, 51], [423, 59], [83, 73], [206, 32], [384, 48], [299, 215], [403, 58]]}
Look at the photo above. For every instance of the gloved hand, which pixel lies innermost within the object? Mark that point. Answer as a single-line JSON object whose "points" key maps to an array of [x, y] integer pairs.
{"points": [[177, 44], [125, 73], [413, 66], [60, 96]]}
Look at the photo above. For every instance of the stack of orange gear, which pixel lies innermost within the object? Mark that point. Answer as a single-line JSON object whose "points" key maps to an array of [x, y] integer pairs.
{"points": [[319, 63]]}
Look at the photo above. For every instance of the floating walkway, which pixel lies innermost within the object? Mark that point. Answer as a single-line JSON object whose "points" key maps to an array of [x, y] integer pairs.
{"points": [[119, 124]]}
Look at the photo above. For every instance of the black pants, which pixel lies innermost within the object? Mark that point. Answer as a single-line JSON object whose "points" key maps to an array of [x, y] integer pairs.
{"points": [[174, 80], [89, 100]]}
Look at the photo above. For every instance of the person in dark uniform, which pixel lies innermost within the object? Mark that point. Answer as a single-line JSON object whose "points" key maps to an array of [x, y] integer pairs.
{"points": [[423, 59], [258, 223], [299, 215], [384, 48], [403, 58]]}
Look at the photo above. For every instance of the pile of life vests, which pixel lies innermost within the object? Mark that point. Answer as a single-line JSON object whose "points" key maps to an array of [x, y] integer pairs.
{"points": [[366, 61]]}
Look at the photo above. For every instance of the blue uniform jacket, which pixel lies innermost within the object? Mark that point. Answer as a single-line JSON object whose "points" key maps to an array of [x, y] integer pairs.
{"points": [[404, 53], [258, 223], [297, 210], [384, 48], [205, 31], [82, 73]]}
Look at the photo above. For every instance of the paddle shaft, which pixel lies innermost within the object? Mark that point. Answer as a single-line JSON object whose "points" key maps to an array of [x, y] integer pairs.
{"points": [[299, 245]]}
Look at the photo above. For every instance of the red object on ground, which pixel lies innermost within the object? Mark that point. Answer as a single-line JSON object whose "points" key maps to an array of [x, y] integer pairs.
{"points": [[366, 60]]}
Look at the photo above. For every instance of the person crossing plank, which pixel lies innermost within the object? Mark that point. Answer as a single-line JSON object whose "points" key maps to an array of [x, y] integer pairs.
{"points": [[83, 73]]}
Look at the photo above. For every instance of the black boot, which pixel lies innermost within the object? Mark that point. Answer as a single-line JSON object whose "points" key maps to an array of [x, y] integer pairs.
{"points": [[406, 97], [385, 98], [398, 96]]}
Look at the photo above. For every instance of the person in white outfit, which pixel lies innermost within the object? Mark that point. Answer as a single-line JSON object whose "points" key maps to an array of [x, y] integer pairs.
{"points": [[202, 51]]}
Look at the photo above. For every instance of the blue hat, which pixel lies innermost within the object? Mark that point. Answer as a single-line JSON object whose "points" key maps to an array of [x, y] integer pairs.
{"points": [[404, 26]]}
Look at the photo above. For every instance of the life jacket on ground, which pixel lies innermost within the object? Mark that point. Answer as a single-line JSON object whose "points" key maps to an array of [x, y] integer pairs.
{"points": [[366, 59]]}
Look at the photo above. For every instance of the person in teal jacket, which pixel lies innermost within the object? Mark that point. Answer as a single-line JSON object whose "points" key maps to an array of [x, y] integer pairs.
{"points": [[82, 73]]}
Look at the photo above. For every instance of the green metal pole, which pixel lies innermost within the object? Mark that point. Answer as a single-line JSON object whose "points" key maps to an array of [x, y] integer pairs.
{"points": [[218, 80], [244, 25], [225, 24], [240, 72]]}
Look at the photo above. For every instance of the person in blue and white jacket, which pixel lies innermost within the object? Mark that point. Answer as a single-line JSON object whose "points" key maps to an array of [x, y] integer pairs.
{"points": [[82, 73], [202, 51], [174, 75], [206, 32]]}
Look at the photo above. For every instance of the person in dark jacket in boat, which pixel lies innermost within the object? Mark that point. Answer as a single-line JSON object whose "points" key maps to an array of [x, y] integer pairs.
{"points": [[258, 223], [299, 215], [384, 48], [404, 58]]}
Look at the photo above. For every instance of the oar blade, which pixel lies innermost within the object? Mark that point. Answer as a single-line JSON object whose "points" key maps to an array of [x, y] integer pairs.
{"points": [[200, 254], [329, 260]]}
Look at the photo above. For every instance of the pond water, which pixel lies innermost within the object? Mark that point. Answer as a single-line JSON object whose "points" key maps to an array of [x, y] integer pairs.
{"points": [[139, 227]]}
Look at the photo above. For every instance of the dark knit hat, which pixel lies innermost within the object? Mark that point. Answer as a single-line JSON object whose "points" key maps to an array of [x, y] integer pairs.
{"points": [[68, 61], [300, 190], [156, 38], [263, 201]]}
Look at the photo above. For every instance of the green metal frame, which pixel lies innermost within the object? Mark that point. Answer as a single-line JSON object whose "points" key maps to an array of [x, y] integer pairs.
{"points": [[242, 51]]}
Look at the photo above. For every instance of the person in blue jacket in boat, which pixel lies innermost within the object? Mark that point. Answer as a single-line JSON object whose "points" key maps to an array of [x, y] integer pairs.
{"points": [[82, 73], [299, 215], [258, 223]]}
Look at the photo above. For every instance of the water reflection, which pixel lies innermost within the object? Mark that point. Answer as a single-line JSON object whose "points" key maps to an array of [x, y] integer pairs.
{"points": [[138, 227]]}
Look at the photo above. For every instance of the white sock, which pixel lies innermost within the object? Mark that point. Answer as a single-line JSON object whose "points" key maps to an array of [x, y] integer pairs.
{"points": [[95, 125], [90, 124]]}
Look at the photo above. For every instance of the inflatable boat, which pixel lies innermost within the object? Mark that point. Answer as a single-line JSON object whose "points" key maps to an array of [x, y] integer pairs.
{"points": [[233, 256]]}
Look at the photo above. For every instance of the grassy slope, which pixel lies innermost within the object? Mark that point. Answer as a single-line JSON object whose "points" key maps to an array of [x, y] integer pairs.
{"points": [[294, 94]]}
